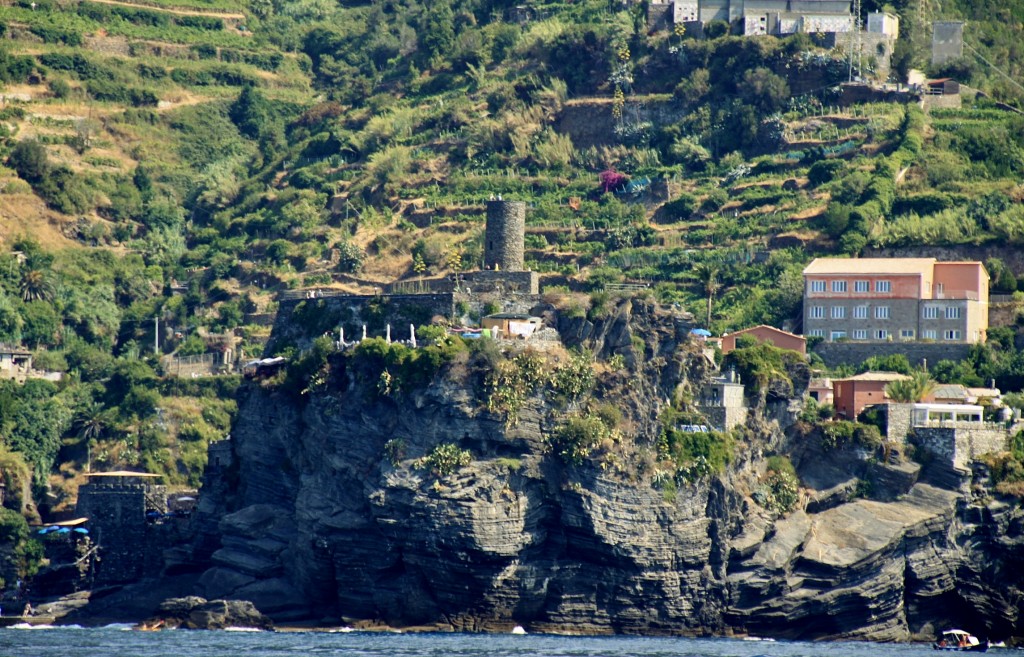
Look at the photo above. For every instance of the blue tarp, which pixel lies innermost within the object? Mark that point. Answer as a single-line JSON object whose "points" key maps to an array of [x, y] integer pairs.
{"points": [[702, 332]]}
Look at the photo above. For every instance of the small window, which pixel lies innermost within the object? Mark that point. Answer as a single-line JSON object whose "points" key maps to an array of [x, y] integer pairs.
{"points": [[906, 334], [929, 334], [837, 335], [817, 312], [953, 312], [881, 334], [883, 286], [839, 286], [861, 286], [860, 334], [838, 312], [931, 312], [817, 333], [881, 312], [860, 312], [951, 335], [817, 286]]}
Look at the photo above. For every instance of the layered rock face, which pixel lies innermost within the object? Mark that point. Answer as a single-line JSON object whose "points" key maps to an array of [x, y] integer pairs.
{"points": [[326, 515]]}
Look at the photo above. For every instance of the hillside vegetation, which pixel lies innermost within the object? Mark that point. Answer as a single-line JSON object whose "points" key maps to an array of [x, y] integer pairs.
{"points": [[182, 161]]}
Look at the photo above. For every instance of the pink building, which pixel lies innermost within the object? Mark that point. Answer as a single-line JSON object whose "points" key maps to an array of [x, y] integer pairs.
{"points": [[851, 396], [887, 299], [763, 333]]}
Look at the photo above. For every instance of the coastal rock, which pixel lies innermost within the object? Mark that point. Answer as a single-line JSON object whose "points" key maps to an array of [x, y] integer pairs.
{"points": [[330, 513], [195, 613]]}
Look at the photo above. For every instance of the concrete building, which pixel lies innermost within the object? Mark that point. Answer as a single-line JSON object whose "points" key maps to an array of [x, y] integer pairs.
{"points": [[895, 299], [775, 17], [883, 23], [854, 394], [947, 41], [763, 333], [821, 390]]}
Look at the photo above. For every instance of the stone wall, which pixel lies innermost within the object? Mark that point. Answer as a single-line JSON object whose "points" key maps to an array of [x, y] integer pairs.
{"points": [[899, 419], [855, 353], [1004, 313], [502, 282], [958, 445], [1012, 256], [504, 235], [659, 16]]}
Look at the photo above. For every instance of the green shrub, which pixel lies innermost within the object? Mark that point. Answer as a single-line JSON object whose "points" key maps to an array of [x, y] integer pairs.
{"points": [[779, 493], [825, 171], [23, 557], [575, 439], [445, 459]]}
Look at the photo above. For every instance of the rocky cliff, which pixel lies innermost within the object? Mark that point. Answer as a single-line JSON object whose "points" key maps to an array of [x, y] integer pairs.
{"points": [[329, 512]]}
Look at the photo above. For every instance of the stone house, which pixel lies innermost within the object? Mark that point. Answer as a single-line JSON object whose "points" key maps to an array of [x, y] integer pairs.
{"points": [[722, 401], [954, 434], [763, 333], [896, 299], [15, 362]]}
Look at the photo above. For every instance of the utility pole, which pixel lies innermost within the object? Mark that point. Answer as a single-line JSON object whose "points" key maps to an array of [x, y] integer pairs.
{"points": [[855, 41], [156, 336]]}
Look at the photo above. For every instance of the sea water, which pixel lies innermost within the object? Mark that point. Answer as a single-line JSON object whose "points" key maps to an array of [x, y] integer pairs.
{"points": [[121, 641]]}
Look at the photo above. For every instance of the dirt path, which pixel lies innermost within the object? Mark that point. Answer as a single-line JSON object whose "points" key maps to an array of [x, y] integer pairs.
{"points": [[171, 10]]}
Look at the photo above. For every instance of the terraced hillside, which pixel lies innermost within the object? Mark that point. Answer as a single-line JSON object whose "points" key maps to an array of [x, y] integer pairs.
{"points": [[177, 163]]}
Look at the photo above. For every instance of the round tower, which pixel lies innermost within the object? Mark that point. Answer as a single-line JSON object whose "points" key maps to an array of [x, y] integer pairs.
{"points": [[503, 241]]}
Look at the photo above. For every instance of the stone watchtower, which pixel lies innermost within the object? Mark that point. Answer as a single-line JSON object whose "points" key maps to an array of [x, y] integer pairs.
{"points": [[504, 239], [115, 503]]}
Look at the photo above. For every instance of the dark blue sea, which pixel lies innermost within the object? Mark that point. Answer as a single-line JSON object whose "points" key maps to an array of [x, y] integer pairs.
{"points": [[123, 642]]}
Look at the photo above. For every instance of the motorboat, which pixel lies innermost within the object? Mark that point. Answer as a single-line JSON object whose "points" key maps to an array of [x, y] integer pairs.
{"points": [[961, 641]]}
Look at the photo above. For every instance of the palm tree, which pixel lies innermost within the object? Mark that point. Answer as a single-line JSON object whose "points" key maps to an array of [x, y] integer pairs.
{"points": [[908, 391], [706, 274], [36, 286]]}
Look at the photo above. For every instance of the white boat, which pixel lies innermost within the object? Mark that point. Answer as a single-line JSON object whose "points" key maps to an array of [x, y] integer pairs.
{"points": [[960, 641]]}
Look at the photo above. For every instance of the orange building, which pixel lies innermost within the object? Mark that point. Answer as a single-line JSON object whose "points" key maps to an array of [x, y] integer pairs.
{"points": [[887, 299], [763, 333], [851, 396]]}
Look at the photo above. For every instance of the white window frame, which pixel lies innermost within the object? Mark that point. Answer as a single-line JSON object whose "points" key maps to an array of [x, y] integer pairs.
{"points": [[881, 312], [951, 335], [839, 287], [861, 312], [882, 334], [929, 334], [860, 334], [930, 312], [952, 312], [862, 286], [836, 335], [818, 286], [907, 334], [816, 312], [838, 312], [817, 333], [883, 286]]}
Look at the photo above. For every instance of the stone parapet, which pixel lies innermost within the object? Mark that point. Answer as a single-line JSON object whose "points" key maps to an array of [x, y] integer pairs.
{"points": [[918, 353]]}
